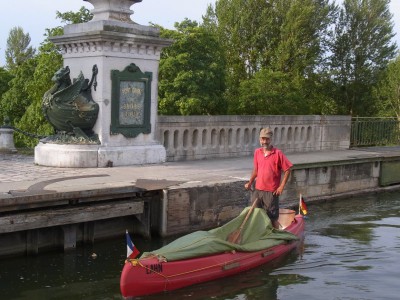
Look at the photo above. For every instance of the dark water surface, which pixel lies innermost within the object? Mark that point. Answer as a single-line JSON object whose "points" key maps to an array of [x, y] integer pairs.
{"points": [[351, 251]]}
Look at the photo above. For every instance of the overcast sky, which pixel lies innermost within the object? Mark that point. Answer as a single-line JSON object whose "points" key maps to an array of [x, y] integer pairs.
{"points": [[36, 15]]}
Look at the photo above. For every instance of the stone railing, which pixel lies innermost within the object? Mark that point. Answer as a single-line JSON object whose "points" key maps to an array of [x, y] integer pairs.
{"points": [[202, 137], [7, 139]]}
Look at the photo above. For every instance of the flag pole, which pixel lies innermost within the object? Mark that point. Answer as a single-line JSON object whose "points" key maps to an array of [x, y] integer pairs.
{"points": [[299, 203]]}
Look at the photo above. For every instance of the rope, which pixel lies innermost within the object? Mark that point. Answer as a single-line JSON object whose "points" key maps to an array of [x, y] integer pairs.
{"points": [[136, 262]]}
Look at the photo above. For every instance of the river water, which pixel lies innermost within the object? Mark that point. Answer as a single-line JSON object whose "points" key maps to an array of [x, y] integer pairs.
{"points": [[351, 251]]}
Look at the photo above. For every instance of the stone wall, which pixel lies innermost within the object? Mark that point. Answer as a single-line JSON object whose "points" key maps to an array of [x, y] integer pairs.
{"points": [[201, 137], [206, 207]]}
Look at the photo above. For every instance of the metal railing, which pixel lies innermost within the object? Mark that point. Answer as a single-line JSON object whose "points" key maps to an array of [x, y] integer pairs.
{"points": [[366, 132]]}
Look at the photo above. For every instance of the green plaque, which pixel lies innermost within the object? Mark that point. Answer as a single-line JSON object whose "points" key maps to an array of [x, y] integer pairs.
{"points": [[130, 101]]}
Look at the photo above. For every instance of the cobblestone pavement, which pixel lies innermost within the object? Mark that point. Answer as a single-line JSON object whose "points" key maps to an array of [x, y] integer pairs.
{"points": [[18, 171], [17, 167]]}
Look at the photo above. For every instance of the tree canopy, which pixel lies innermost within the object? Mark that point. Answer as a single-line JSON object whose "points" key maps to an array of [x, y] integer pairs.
{"points": [[246, 57], [5, 78], [387, 91], [18, 49], [361, 48], [271, 46], [21, 102], [192, 72]]}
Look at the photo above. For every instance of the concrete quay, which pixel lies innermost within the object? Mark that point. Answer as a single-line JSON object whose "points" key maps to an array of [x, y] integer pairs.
{"points": [[18, 172], [46, 207]]}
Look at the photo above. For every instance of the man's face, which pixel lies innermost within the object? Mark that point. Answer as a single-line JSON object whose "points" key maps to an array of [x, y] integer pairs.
{"points": [[265, 142]]}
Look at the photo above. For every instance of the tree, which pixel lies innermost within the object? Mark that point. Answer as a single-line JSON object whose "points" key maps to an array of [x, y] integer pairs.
{"points": [[48, 61], [5, 78], [277, 38], [32, 78], [82, 16], [361, 49], [271, 93], [18, 49], [387, 91], [192, 72], [17, 98], [244, 32], [303, 35]]}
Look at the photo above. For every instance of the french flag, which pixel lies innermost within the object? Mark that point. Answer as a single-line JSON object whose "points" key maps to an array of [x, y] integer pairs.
{"points": [[131, 250]]}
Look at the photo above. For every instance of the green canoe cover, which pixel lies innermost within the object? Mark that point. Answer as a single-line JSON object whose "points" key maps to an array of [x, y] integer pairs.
{"points": [[256, 235]]}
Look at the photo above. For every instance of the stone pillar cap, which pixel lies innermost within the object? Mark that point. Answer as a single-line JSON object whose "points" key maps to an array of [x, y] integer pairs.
{"points": [[118, 10]]}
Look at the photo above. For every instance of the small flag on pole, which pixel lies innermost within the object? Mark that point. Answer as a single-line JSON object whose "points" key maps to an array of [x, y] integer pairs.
{"points": [[131, 250], [302, 205]]}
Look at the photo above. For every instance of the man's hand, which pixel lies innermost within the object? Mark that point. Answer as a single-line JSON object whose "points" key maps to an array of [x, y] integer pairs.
{"points": [[247, 186], [278, 191]]}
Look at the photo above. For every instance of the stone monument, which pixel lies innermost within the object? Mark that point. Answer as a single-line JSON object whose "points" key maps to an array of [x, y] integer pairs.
{"points": [[126, 56]]}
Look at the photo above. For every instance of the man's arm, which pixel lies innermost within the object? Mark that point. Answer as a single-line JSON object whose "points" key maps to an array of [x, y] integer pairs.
{"points": [[279, 190], [253, 176]]}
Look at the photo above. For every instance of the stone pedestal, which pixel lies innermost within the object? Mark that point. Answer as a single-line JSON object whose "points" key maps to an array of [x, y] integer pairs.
{"points": [[92, 156], [113, 42], [7, 140]]}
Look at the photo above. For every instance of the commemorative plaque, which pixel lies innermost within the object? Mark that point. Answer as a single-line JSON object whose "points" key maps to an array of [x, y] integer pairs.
{"points": [[130, 101]]}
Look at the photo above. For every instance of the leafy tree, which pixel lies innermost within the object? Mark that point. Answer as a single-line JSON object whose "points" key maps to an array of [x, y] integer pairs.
{"points": [[16, 99], [361, 49], [82, 16], [210, 21], [281, 39], [275, 93], [32, 78], [5, 78], [243, 31], [48, 61], [387, 91], [18, 49], [192, 72], [303, 35], [269, 93]]}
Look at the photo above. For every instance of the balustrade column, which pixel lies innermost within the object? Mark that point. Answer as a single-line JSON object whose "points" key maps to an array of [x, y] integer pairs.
{"points": [[7, 139]]}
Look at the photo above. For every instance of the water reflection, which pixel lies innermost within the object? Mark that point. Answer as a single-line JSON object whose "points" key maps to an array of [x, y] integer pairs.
{"points": [[351, 251], [361, 232], [253, 284]]}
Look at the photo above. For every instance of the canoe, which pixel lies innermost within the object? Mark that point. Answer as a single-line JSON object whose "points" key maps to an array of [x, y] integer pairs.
{"points": [[151, 275]]}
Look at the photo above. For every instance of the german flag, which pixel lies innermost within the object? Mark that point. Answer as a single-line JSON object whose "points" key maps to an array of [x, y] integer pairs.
{"points": [[302, 205]]}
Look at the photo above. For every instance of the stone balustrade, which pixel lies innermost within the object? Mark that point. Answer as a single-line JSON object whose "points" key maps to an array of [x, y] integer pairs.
{"points": [[201, 137], [7, 140]]}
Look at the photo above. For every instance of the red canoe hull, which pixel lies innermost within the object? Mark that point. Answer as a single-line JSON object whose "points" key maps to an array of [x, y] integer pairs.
{"points": [[149, 276]]}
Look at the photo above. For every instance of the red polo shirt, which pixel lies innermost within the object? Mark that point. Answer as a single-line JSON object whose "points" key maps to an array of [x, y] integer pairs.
{"points": [[269, 168]]}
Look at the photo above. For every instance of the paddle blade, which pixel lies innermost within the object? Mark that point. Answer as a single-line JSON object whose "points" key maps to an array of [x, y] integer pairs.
{"points": [[235, 237]]}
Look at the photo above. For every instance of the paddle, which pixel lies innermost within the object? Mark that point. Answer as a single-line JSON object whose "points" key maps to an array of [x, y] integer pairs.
{"points": [[235, 237]]}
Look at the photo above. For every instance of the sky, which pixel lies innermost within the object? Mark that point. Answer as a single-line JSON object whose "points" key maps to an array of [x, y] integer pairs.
{"points": [[35, 16]]}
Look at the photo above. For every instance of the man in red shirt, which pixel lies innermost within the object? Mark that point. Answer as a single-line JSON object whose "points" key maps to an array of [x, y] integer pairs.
{"points": [[269, 162]]}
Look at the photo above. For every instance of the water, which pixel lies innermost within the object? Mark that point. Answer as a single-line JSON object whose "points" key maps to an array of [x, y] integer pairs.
{"points": [[351, 251]]}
